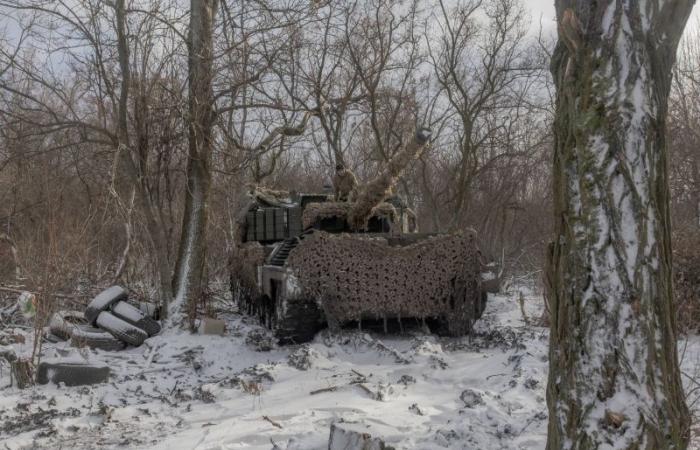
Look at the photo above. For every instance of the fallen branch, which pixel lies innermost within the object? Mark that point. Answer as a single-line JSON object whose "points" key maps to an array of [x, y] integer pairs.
{"points": [[496, 375], [14, 291], [328, 389], [358, 374], [162, 369], [21, 291], [16, 325], [274, 424], [151, 354], [368, 391], [379, 345]]}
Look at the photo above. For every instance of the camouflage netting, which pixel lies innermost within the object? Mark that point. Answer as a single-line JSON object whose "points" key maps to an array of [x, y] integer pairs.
{"points": [[317, 211], [355, 277]]}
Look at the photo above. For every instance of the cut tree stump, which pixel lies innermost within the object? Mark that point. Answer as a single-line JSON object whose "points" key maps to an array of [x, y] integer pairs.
{"points": [[22, 373]]}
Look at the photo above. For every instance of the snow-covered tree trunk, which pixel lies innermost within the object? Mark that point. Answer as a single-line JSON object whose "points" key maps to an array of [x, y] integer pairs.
{"points": [[189, 273], [614, 379]]}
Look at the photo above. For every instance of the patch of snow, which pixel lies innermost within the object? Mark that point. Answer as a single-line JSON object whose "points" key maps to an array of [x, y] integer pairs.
{"points": [[185, 391], [488, 276]]}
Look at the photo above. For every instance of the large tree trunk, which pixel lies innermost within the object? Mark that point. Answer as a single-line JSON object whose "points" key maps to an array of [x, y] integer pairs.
{"points": [[614, 379], [189, 274]]}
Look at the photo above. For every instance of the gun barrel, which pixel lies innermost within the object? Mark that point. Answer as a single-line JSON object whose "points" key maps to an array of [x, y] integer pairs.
{"points": [[376, 191]]}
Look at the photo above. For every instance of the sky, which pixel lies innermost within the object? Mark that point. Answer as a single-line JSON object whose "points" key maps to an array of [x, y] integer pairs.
{"points": [[543, 7], [542, 11]]}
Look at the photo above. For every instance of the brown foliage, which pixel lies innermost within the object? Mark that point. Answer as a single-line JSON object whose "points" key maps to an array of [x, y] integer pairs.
{"points": [[686, 278]]}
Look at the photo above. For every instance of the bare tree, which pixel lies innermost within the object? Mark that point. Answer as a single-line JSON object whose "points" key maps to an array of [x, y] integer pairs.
{"points": [[684, 134], [614, 377], [131, 161], [192, 253], [97, 103], [485, 70], [158, 153]]}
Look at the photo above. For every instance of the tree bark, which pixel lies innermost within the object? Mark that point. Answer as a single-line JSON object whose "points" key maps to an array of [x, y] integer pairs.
{"points": [[614, 378], [189, 273]]}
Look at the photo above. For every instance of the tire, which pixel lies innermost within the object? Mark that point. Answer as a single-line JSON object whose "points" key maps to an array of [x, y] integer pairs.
{"points": [[52, 338], [71, 374], [63, 323], [136, 317], [120, 329], [296, 322], [103, 301], [89, 336], [439, 325]]}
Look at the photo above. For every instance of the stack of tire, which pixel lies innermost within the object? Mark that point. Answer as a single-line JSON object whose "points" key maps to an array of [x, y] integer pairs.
{"points": [[109, 323]]}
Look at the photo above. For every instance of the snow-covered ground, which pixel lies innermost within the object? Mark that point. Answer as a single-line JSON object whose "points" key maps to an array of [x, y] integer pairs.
{"points": [[417, 391]]}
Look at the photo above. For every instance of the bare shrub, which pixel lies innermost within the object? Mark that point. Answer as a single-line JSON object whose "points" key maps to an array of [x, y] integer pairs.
{"points": [[686, 278]]}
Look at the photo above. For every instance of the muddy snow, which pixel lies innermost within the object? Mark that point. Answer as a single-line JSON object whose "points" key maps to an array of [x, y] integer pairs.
{"points": [[415, 391]]}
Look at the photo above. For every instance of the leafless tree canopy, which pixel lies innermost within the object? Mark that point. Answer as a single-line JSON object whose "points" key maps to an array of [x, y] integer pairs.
{"points": [[97, 117], [97, 112]]}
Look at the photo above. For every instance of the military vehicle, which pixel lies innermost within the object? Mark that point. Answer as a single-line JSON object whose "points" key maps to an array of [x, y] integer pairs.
{"points": [[306, 261]]}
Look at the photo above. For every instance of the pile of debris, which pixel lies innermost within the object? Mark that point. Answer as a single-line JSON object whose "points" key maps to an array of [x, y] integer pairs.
{"points": [[108, 323]]}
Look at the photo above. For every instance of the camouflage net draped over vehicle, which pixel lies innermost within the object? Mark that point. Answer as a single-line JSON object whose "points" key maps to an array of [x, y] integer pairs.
{"points": [[355, 277], [318, 211]]}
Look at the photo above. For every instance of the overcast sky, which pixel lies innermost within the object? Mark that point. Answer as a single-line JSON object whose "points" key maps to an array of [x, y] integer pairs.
{"points": [[544, 7], [541, 10]]}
